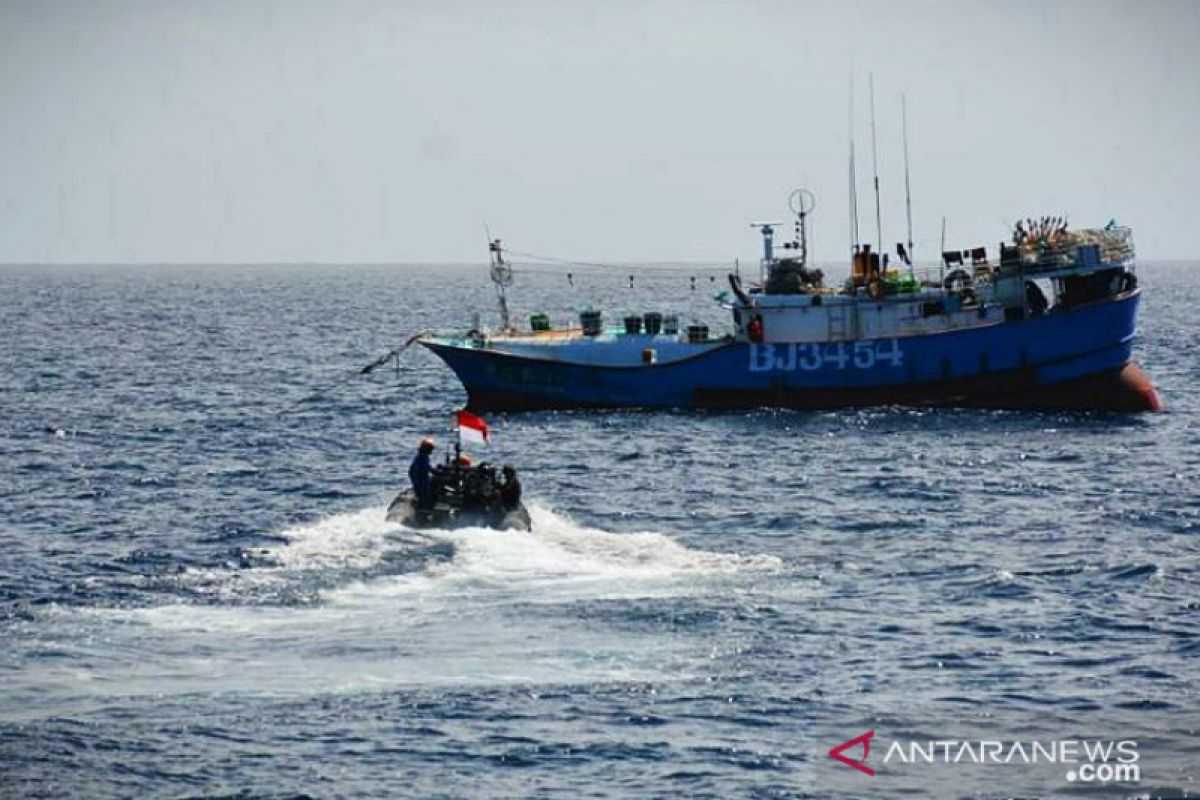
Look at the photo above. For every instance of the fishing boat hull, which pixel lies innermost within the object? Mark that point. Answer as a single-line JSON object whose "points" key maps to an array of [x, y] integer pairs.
{"points": [[443, 516], [1071, 359]]}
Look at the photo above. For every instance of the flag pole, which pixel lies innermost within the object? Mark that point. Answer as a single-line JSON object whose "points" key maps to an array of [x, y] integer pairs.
{"points": [[457, 439]]}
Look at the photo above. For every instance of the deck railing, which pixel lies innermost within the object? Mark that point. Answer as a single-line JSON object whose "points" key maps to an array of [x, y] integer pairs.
{"points": [[1115, 246]]}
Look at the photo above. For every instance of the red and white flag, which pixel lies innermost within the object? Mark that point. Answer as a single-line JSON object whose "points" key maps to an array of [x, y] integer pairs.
{"points": [[472, 428]]}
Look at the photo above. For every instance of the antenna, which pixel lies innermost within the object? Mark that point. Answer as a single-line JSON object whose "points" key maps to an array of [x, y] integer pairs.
{"points": [[767, 229], [907, 191], [875, 170], [802, 202], [768, 233], [943, 250]]}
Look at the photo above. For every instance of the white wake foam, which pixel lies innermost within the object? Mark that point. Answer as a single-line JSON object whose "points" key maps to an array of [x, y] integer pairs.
{"points": [[343, 541], [558, 556], [470, 606]]}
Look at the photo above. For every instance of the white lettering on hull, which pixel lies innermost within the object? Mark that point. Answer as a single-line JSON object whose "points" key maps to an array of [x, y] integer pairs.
{"points": [[812, 356]]}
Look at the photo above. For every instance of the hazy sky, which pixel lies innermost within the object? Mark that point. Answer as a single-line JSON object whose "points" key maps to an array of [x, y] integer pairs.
{"points": [[390, 131]]}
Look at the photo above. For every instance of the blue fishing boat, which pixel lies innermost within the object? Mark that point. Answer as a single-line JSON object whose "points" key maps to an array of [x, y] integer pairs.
{"points": [[1049, 323]]}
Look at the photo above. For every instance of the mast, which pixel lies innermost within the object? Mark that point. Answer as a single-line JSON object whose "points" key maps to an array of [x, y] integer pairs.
{"points": [[875, 170], [854, 234], [502, 276], [907, 190]]}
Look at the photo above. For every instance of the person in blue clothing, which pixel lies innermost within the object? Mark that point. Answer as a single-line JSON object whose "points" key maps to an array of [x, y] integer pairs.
{"points": [[419, 472]]}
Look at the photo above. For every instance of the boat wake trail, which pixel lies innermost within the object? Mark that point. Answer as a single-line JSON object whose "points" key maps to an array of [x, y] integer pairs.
{"points": [[394, 607], [557, 557]]}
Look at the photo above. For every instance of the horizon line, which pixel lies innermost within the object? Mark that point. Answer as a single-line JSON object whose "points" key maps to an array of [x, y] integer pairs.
{"points": [[564, 262]]}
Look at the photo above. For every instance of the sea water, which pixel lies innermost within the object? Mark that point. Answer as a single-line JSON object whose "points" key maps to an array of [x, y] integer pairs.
{"points": [[199, 594]]}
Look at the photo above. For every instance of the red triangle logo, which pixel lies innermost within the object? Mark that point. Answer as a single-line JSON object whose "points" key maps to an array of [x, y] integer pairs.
{"points": [[865, 740]]}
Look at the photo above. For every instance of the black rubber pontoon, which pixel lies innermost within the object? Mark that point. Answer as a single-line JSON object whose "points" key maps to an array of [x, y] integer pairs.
{"points": [[446, 514]]}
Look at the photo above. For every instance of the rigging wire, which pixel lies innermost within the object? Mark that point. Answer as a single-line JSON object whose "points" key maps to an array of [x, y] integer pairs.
{"points": [[538, 269], [617, 268]]}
